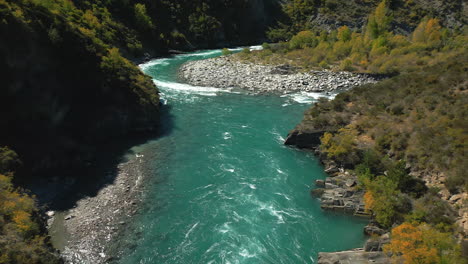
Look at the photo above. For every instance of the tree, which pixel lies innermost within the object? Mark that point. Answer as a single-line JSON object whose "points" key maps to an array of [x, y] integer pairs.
{"points": [[428, 31], [341, 146], [142, 18], [9, 160], [299, 11], [379, 22], [302, 40], [385, 201], [344, 33], [422, 244]]}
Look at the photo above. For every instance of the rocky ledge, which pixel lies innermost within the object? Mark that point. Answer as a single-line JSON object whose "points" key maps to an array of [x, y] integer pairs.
{"points": [[340, 192], [229, 72]]}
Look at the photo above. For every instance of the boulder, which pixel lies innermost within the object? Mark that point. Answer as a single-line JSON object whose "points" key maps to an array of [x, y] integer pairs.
{"points": [[350, 183], [320, 183], [371, 229], [317, 192], [304, 139]]}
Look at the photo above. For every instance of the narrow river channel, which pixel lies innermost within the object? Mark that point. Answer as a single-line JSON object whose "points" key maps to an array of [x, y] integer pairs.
{"points": [[224, 188]]}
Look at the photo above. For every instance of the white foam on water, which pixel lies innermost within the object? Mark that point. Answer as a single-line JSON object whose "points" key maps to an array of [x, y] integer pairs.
{"points": [[306, 97], [198, 54], [278, 136], [187, 88], [191, 229], [251, 186], [245, 253], [277, 214], [152, 63], [227, 135], [225, 228], [257, 47], [283, 195], [210, 249]]}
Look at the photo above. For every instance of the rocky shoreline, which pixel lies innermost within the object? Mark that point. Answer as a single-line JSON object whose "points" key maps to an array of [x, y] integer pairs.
{"points": [[229, 72], [340, 192], [94, 221]]}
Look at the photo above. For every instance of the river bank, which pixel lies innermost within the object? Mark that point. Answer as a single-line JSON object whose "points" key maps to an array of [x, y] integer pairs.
{"points": [[228, 72], [83, 233]]}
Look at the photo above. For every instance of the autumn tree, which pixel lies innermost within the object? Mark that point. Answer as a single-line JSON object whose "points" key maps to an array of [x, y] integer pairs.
{"points": [[428, 31], [344, 33], [379, 21], [303, 39], [341, 146], [422, 244]]}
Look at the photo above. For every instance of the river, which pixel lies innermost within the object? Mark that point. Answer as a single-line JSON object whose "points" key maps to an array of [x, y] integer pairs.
{"points": [[224, 188]]}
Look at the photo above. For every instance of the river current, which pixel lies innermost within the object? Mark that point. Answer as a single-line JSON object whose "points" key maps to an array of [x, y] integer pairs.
{"points": [[222, 186]]}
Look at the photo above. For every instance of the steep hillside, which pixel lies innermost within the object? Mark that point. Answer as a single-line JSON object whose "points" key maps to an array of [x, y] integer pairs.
{"points": [[392, 135], [332, 14], [64, 88]]}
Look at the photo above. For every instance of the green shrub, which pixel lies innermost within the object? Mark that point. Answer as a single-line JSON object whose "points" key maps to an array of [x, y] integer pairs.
{"points": [[346, 65], [303, 39], [266, 46], [142, 18], [226, 52]]}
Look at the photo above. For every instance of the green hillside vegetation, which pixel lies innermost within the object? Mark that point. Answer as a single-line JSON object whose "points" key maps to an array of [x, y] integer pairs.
{"points": [[318, 15], [22, 237], [412, 124], [376, 49], [65, 78]]}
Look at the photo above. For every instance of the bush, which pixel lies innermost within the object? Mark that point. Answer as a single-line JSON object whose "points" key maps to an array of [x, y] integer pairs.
{"points": [[385, 201], [346, 65], [302, 40], [226, 52], [266, 46]]}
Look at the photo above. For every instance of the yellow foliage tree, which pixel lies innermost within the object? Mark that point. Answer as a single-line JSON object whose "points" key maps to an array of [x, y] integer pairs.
{"points": [[428, 31], [422, 244]]}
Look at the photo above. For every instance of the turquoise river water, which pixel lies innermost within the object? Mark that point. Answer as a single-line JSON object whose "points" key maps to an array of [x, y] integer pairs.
{"points": [[224, 188]]}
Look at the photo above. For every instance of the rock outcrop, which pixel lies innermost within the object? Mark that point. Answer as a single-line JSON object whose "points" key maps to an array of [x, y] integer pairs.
{"points": [[340, 194]]}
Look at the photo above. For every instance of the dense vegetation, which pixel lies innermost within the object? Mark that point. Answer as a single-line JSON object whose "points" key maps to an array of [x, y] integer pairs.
{"points": [[155, 26], [22, 238], [318, 15], [392, 135], [65, 80], [374, 49]]}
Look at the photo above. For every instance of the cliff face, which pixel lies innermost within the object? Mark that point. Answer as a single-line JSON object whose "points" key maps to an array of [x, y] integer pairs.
{"points": [[63, 93]]}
